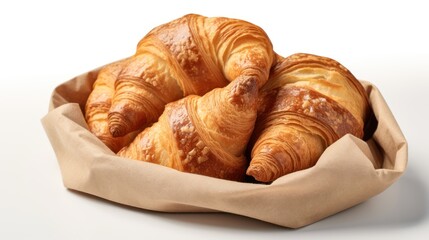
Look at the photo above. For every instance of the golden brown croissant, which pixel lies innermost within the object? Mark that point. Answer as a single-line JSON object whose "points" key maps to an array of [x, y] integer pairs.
{"points": [[308, 103], [98, 105], [190, 55], [205, 135]]}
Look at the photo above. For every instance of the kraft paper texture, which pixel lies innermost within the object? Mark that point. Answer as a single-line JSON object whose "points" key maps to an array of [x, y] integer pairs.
{"points": [[349, 172]]}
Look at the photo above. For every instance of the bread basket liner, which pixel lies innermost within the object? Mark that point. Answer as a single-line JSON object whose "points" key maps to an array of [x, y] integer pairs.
{"points": [[349, 172]]}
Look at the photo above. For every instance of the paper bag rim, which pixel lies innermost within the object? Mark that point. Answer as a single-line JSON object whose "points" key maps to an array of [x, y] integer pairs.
{"points": [[349, 172]]}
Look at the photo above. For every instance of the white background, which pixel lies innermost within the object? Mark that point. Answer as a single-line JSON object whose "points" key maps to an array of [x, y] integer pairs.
{"points": [[44, 43]]}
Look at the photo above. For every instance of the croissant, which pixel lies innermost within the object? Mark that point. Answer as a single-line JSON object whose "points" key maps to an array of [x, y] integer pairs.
{"points": [[308, 103], [98, 105], [205, 135], [190, 55]]}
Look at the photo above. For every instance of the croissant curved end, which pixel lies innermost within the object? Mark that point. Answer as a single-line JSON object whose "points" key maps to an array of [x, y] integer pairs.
{"points": [[117, 125], [244, 91], [261, 172], [117, 131]]}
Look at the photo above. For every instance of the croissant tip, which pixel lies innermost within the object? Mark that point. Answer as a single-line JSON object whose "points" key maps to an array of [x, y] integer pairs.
{"points": [[244, 91], [116, 131], [259, 172]]}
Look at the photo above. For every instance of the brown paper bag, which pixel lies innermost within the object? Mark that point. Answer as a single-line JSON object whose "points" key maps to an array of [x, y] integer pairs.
{"points": [[349, 172]]}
